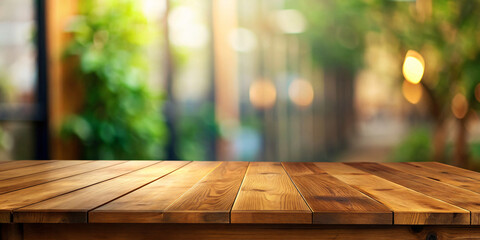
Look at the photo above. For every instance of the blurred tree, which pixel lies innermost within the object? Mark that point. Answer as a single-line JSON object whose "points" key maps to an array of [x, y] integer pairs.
{"points": [[121, 116], [336, 35], [446, 33], [192, 125]]}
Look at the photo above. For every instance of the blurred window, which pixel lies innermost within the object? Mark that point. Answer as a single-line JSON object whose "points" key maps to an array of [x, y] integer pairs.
{"points": [[22, 89]]}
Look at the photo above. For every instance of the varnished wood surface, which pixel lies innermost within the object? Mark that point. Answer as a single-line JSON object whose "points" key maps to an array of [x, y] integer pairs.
{"points": [[7, 165], [182, 192], [268, 195], [12, 184], [211, 199], [451, 194], [50, 165], [409, 206], [73, 207], [333, 201], [147, 204]]}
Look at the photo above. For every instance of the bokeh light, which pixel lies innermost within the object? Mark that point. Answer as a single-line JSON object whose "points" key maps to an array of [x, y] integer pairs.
{"points": [[413, 67], [459, 106], [412, 92], [301, 92], [262, 94], [186, 28], [243, 40], [154, 9], [290, 21]]}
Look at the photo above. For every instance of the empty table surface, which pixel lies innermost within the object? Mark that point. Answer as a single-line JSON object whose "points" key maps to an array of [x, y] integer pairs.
{"points": [[238, 193]]}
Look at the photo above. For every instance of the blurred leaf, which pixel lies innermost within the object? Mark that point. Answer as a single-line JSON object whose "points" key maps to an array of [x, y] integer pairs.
{"points": [[416, 147], [121, 116]]}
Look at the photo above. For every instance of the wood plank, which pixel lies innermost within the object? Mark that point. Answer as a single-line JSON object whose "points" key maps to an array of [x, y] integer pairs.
{"points": [[242, 232], [21, 198], [408, 206], [17, 183], [12, 173], [333, 201], [23, 163], [267, 195], [451, 169], [457, 196], [73, 207], [138, 206], [211, 200], [437, 174]]}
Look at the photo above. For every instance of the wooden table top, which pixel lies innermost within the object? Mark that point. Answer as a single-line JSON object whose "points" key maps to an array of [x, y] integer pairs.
{"points": [[238, 192]]}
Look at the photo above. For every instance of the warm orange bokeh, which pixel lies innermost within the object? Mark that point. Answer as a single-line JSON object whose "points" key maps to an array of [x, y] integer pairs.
{"points": [[301, 92], [413, 67], [262, 94], [412, 92]]}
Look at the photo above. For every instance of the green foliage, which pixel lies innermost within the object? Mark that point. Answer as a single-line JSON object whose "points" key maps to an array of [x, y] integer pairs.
{"points": [[197, 129], [475, 150], [121, 116], [336, 31], [6, 90], [416, 147], [450, 34]]}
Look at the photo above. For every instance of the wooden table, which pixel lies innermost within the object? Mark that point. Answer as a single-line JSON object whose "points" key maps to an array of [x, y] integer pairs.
{"points": [[237, 200]]}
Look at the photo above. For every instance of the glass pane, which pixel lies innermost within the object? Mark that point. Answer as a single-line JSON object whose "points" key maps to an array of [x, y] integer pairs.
{"points": [[17, 141], [18, 53]]}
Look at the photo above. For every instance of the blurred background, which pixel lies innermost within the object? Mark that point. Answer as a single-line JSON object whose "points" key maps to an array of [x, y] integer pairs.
{"points": [[248, 80]]}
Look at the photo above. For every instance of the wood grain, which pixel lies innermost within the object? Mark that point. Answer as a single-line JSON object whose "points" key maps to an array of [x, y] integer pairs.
{"points": [[11, 231], [451, 170], [17, 183], [147, 204], [174, 192], [73, 207], [211, 200], [439, 174], [242, 232], [17, 172], [268, 195], [333, 201], [408, 206], [17, 199], [457, 196], [23, 163]]}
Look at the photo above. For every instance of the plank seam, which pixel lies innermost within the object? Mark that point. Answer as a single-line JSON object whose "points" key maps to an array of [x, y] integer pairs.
{"points": [[363, 192], [427, 179], [156, 179], [373, 174], [236, 196], [298, 190], [40, 162], [81, 188], [450, 173], [13, 178], [192, 187], [61, 178]]}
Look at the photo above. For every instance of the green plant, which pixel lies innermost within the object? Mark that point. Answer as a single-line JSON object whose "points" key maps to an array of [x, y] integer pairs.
{"points": [[416, 147], [197, 130], [447, 36], [337, 30], [121, 116]]}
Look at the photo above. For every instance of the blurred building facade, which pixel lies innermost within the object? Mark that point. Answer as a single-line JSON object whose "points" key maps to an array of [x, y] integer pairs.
{"points": [[241, 80]]}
